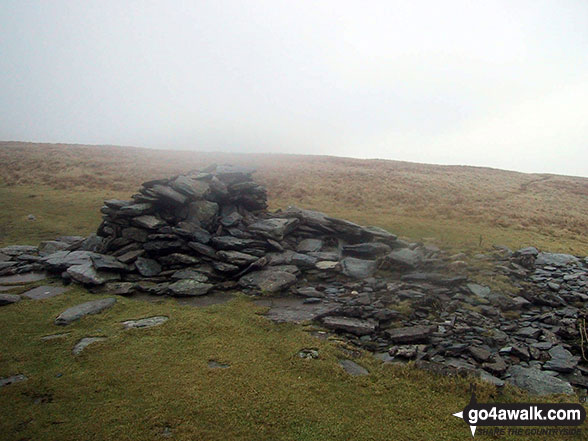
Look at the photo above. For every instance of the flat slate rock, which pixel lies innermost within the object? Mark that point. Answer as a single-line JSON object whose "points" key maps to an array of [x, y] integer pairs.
{"points": [[294, 310], [77, 312], [9, 299], [24, 278], [349, 324], [12, 379], [410, 334], [358, 268], [268, 280], [87, 274], [538, 382], [55, 336], [556, 259], [189, 287], [44, 292], [145, 322], [84, 343], [352, 368], [216, 365]]}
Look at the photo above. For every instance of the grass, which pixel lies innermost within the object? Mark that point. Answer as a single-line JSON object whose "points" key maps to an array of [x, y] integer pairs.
{"points": [[138, 382]]}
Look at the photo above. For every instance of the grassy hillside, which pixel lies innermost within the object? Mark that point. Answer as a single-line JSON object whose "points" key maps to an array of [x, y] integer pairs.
{"points": [[467, 208], [151, 383]]}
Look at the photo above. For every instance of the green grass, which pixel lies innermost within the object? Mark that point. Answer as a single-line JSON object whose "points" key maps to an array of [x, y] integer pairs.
{"points": [[137, 382]]}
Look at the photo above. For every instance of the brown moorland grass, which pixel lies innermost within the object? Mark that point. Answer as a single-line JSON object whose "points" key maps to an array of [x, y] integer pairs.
{"points": [[468, 208]]}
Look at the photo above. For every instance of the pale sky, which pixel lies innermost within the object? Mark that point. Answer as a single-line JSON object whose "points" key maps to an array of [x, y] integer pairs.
{"points": [[490, 83]]}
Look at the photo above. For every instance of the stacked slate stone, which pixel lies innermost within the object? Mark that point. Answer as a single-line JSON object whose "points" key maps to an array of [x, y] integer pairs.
{"points": [[205, 230]]}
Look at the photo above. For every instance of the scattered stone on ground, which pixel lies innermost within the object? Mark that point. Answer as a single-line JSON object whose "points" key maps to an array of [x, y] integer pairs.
{"points": [[44, 292], [77, 312], [145, 322], [352, 368], [55, 336], [84, 343], [216, 365], [8, 299], [200, 237], [309, 353], [12, 379]]}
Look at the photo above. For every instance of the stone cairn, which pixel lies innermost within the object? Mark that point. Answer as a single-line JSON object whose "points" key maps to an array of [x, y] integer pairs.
{"points": [[210, 230]]}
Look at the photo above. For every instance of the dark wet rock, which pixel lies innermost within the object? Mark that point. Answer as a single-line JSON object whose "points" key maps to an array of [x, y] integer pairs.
{"points": [[303, 261], [8, 299], [84, 343], [538, 382], [86, 274], [5, 381], [77, 312], [309, 291], [480, 354], [358, 268], [43, 292], [561, 360], [268, 280], [189, 287], [352, 368], [168, 194], [147, 322], [434, 278], [410, 334]]}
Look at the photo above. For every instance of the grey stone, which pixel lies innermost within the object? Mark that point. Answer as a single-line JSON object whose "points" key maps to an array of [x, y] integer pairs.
{"points": [[120, 288], [268, 280], [86, 274], [103, 262], [309, 246], [190, 274], [562, 360], [44, 292], [148, 221], [538, 382], [77, 312], [84, 343], [326, 265], [147, 267], [8, 299], [352, 368], [203, 213], [136, 209], [404, 257], [145, 322], [61, 260], [410, 334], [51, 246], [556, 259], [190, 187], [274, 228], [189, 287], [237, 257], [489, 378], [479, 290], [528, 251], [371, 250], [55, 336], [358, 268], [24, 278], [12, 379], [17, 250], [303, 260], [353, 325], [216, 365], [168, 194]]}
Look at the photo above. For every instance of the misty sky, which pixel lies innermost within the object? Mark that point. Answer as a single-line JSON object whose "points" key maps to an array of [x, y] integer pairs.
{"points": [[500, 84]]}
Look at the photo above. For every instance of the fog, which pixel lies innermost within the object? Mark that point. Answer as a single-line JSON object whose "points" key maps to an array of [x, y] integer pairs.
{"points": [[499, 84]]}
